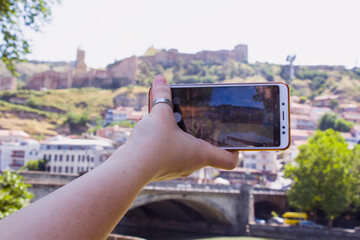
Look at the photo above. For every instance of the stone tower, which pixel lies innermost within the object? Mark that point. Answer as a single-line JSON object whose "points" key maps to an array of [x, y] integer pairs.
{"points": [[241, 53], [80, 61]]}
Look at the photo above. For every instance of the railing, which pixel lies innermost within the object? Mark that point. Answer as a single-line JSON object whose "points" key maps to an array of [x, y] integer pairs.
{"points": [[183, 185], [186, 186]]}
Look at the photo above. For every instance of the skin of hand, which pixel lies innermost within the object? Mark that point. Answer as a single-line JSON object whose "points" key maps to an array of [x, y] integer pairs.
{"points": [[90, 206], [181, 153]]}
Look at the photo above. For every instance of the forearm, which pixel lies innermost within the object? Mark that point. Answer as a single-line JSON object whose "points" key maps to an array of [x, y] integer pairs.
{"points": [[90, 206], [87, 208]]}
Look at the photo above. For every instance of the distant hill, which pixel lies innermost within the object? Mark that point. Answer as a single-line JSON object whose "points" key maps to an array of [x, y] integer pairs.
{"points": [[46, 112]]}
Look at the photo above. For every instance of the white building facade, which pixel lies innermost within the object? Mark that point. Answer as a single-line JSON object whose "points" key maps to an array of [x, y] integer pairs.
{"points": [[16, 154], [264, 161], [73, 156]]}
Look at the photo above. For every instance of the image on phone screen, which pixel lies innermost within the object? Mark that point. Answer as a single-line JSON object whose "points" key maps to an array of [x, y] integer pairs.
{"points": [[228, 116]]}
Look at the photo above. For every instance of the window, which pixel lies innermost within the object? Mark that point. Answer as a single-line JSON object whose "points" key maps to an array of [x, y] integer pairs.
{"points": [[83, 158], [67, 158], [49, 157], [60, 169], [88, 158], [59, 147], [92, 159], [72, 158], [54, 169], [71, 169], [78, 169], [79, 157], [44, 157], [55, 158], [61, 158], [66, 169]]}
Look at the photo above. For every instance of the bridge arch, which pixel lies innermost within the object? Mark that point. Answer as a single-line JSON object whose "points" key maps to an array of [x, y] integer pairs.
{"points": [[211, 210], [264, 208]]}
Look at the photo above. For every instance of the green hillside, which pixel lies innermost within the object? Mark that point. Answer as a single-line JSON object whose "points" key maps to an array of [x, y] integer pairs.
{"points": [[48, 112], [309, 81]]}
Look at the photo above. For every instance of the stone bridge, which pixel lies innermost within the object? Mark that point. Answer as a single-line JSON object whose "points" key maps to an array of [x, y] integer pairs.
{"points": [[182, 205]]}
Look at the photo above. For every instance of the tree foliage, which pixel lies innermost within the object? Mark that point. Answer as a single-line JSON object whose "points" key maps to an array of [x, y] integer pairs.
{"points": [[36, 165], [13, 193], [326, 177], [15, 16], [330, 120]]}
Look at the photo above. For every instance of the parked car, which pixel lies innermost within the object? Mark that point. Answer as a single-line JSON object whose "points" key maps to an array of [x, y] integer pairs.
{"points": [[259, 221], [310, 224], [276, 220], [293, 218]]}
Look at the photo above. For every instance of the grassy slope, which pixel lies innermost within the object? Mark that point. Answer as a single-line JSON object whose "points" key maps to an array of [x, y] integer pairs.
{"points": [[94, 101], [91, 101]]}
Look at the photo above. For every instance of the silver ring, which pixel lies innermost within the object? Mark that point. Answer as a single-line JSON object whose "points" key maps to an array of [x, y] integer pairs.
{"points": [[163, 100]]}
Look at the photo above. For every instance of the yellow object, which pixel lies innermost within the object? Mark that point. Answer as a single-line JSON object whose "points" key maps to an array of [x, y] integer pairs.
{"points": [[293, 218]]}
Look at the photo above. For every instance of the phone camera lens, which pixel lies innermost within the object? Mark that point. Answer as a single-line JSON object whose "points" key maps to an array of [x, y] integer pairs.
{"points": [[177, 116], [283, 127], [283, 104], [283, 132], [176, 100]]}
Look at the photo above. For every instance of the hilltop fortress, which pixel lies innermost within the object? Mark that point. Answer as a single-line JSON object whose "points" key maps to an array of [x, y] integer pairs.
{"points": [[124, 72]]}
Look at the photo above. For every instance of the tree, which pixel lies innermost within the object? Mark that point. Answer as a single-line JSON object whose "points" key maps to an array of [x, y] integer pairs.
{"points": [[325, 177], [330, 120], [327, 121], [15, 16], [36, 165], [13, 193]]}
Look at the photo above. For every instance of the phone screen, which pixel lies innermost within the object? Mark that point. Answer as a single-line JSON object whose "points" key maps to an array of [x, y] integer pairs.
{"points": [[230, 116]]}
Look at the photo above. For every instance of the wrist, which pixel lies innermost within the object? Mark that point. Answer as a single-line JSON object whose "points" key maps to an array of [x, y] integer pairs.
{"points": [[133, 163]]}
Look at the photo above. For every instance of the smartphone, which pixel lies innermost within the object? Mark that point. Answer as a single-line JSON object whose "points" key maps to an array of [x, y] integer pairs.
{"points": [[242, 116]]}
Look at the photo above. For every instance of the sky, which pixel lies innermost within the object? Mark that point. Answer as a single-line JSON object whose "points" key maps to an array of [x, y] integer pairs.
{"points": [[319, 32]]}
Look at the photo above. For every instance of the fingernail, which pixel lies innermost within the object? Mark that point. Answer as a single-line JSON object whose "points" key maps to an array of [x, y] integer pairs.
{"points": [[159, 79]]}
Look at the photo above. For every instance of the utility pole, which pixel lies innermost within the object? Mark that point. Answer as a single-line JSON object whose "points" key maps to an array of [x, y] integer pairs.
{"points": [[291, 59]]}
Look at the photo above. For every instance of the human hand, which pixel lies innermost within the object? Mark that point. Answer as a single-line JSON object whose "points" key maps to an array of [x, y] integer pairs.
{"points": [[170, 152]]}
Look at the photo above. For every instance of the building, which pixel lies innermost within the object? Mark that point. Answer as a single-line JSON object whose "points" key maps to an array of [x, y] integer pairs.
{"points": [[349, 107], [124, 72], [355, 132], [301, 109], [115, 133], [15, 154], [120, 114], [351, 117], [8, 83], [7, 136], [77, 75], [326, 101], [246, 175], [300, 135], [264, 161], [317, 113], [298, 121], [74, 156]]}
